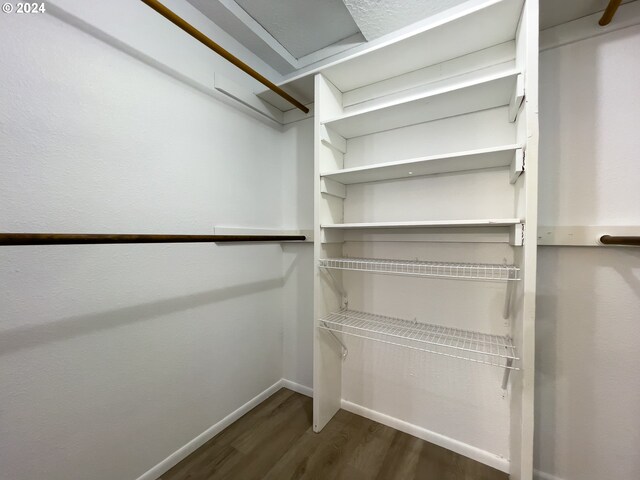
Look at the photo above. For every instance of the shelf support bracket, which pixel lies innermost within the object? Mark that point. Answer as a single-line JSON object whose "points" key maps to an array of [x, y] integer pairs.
{"points": [[345, 350], [338, 288], [507, 372], [516, 98], [516, 235], [517, 166], [333, 188]]}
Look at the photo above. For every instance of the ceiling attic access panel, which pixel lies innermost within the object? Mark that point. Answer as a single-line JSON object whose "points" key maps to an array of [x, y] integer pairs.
{"points": [[303, 26]]}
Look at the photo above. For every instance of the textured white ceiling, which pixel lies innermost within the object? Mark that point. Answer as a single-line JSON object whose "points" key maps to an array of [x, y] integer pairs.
{"points": [[379, 17], [302, 26]]}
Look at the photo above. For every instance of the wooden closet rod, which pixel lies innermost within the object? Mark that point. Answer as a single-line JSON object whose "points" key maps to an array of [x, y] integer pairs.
{"points": [[609, 12], [202, 38], [94, 239], [621, 240]]}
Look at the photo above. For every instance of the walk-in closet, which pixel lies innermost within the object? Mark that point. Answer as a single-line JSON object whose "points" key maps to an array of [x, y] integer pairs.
{"points": [[319, 239]]}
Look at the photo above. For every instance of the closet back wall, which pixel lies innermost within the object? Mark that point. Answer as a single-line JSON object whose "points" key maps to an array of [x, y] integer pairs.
{"points": [[114, 356]]}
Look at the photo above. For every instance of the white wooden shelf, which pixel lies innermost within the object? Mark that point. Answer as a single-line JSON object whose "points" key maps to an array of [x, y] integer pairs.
{"points": [[469, 93], [415, 268], [499, 222], [468, 345], [500, 156]]}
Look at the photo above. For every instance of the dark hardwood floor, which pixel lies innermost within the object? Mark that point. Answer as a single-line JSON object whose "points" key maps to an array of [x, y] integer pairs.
{"points": [[275, 441]]}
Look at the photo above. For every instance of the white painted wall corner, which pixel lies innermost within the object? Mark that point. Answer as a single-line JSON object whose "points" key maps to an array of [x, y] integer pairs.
{"points": [[191, 446], [538, 475], [296, 387]]}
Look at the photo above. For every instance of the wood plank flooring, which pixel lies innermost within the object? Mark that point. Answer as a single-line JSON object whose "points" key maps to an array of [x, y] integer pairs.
{"points": [[275, 441]]}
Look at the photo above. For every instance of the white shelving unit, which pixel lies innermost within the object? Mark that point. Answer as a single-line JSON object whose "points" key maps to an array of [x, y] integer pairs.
{"points": [[430, 153]]}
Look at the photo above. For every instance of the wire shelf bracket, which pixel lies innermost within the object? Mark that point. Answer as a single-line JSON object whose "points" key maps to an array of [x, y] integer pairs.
{"points": [[338, 288], [507, 371], [508, 294], [345, 350]]}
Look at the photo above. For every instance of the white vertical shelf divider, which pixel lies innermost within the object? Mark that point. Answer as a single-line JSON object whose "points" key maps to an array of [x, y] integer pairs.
{"points": [[526, 185], [328, 353]]}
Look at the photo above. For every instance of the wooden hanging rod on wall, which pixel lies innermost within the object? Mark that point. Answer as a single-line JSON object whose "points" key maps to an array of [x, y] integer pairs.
{"points": [[95, 239], [620, 240], [609, 12], [202, 38]]}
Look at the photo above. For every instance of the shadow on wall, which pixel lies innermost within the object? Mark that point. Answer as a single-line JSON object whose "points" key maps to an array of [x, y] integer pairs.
{"points": [[298, 313], [16, 339], [114, 42], [546, 362], [298, 164], [587, 398]]}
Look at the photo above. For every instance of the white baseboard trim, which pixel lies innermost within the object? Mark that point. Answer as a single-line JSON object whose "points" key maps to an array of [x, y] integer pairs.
{"points": [[472, 452], [191, 446], [538, 475], [296, 387]]}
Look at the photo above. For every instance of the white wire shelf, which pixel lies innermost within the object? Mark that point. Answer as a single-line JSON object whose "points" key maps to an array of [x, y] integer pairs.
{"points": [[415, 268], [495, 350]]}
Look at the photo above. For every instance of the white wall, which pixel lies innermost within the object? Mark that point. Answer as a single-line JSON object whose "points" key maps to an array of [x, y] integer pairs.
{"points": [[113, 357], [587, 386]]}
